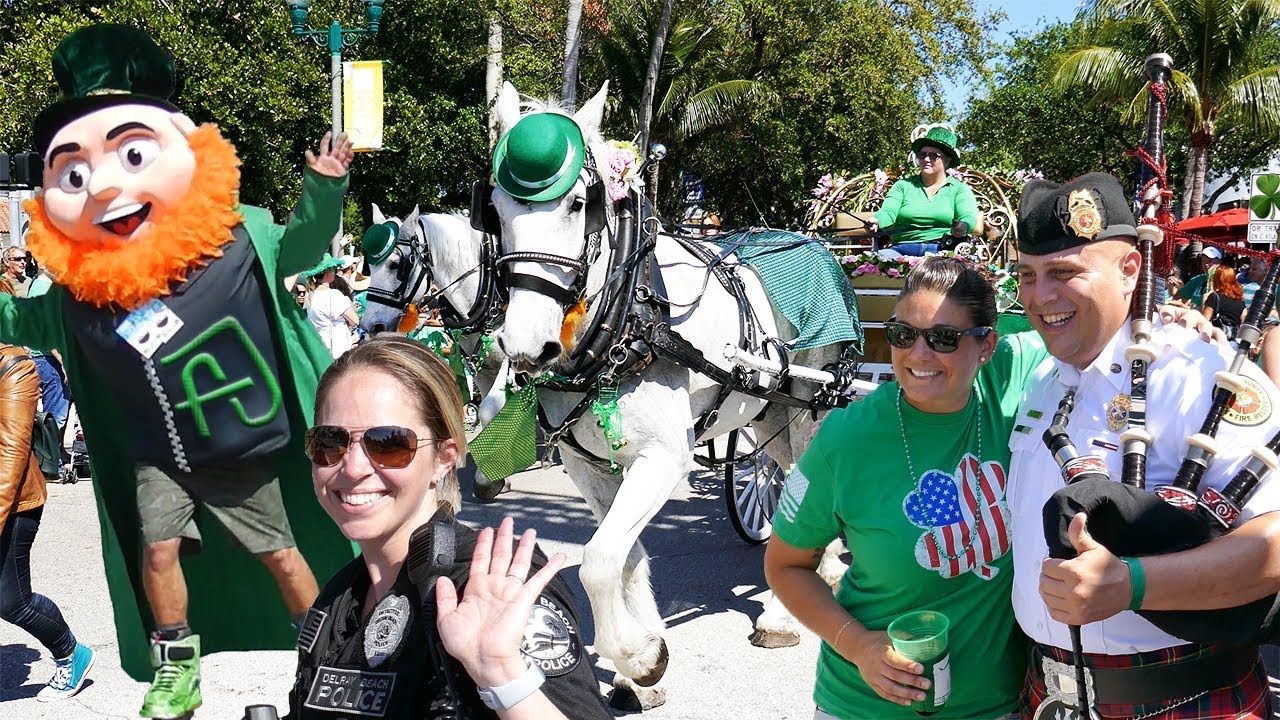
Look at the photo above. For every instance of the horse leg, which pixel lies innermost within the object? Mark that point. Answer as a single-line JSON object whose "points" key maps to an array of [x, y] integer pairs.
{"points": [[639, 652]]}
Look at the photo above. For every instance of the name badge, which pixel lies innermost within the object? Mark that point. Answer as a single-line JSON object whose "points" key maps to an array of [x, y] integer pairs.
{"points": [[149, 327], [359, 692]]}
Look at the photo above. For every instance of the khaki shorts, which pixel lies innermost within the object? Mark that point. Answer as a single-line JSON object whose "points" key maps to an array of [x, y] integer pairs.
{"points": [[246, 501]]}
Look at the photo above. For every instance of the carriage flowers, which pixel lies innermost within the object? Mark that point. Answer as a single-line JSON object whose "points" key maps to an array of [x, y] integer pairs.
{"points": [[869, 263], [624, 169]]}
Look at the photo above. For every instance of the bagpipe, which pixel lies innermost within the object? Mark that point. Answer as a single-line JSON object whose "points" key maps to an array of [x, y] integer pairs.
{"points": [[1124, 517]]}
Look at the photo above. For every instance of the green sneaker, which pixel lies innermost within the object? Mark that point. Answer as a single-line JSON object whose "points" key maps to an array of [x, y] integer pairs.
{"points": [[175, 691]]}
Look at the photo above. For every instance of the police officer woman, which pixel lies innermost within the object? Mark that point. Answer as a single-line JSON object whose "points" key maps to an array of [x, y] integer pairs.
{"points": [[497, 636]]}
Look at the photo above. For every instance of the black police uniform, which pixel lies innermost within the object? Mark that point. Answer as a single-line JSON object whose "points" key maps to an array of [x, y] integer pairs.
{"points": [[381, 667]]}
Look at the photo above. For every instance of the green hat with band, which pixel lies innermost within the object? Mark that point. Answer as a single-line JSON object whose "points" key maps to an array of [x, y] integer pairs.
{"points": [[327, 263], [378, 241], [104, 65], [941, 137], [539, 159]]}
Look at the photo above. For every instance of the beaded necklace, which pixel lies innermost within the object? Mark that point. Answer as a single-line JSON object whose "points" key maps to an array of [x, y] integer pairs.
{"points": [[906, 450]]}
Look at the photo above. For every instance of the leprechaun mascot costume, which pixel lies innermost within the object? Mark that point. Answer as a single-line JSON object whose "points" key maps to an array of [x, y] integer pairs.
{"points": [[194, 369]]}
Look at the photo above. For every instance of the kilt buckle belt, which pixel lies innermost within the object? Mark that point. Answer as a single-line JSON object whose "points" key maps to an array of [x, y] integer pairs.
{"points": [[1151, 683]]}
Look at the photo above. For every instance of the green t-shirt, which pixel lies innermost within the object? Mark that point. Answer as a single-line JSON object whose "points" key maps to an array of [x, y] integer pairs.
{"points": [[1194, 290], [936, 541], [916, 217]]}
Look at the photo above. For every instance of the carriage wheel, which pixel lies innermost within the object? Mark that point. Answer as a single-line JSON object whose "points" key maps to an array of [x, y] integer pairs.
{"points": [[751, 488]]}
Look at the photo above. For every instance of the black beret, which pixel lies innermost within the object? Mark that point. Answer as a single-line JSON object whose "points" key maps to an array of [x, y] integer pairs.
{"points": [[1053, 217]]}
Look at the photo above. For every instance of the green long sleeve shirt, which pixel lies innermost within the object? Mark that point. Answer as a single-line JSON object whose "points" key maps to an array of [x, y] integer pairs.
{"points": [[913, 216]]}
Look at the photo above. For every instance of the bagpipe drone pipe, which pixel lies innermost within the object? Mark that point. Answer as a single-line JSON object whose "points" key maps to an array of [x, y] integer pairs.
{"points": [[1123, 516]]}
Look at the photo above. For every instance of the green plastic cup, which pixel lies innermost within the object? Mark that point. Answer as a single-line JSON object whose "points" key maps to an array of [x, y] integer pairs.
{"points": [[922, 636]]}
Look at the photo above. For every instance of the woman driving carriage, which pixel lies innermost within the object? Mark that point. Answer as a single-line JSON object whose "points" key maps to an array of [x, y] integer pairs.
{"points": [[923, 209]]}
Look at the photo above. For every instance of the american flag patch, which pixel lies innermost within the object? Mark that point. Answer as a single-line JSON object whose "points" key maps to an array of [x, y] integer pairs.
{"points": [[310, 629]]}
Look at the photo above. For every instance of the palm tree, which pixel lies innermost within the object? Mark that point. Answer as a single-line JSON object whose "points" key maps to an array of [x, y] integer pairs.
{"points": [[569, 79], [691, 91], [1224, 67]]}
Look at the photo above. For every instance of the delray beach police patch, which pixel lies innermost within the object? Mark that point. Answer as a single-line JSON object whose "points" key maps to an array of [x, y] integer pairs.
{"points": [[551, 638], [1251, 406], [358, 692]]}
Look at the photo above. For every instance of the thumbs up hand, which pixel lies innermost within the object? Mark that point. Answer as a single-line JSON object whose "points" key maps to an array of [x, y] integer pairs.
{"points": [[1092, 586]]}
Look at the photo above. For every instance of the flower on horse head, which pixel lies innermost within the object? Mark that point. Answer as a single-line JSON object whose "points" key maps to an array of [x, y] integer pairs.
{"points": [[624, 169]]}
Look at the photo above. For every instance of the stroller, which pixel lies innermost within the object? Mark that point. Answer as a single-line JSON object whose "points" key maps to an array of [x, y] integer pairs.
{"points": [[75, 455]]}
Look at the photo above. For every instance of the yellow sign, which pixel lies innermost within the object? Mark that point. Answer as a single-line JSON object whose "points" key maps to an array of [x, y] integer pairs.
{"points": [[362, 104]]}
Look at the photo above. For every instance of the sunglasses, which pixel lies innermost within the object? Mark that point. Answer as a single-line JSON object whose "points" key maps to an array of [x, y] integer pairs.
{"points": [[931, 155], [387, 446], [943, 339]]}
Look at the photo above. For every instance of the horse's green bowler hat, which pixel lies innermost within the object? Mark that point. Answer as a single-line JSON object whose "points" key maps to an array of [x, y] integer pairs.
{"points": [[378, 241], [539, 159]]}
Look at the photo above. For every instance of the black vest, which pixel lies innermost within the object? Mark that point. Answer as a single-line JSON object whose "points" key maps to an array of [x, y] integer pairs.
{"points": [[212, 395]]}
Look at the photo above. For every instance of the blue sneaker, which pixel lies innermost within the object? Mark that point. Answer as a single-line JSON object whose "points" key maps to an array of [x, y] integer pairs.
{"points": [[69, 675]]}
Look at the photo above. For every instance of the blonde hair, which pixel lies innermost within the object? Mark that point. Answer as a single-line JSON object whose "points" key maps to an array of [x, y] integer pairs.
{"points": [[430, 386]]}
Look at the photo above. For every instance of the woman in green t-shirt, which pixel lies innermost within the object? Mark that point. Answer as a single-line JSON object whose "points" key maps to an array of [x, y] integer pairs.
{"points": [[923, 209], [924, 513]]}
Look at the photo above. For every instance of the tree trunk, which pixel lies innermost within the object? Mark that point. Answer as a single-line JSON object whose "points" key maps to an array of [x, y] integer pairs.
{"points": [[651, 77], [569, 83], [1198, 167], [493, 74]]}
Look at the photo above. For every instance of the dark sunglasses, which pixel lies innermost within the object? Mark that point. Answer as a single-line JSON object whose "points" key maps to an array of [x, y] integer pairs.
{"points": [[387, 446], [931, 155], [943, 339]]}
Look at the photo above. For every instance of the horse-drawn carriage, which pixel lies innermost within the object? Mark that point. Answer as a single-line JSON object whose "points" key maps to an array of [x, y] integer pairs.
{"points": [[637, 351]]}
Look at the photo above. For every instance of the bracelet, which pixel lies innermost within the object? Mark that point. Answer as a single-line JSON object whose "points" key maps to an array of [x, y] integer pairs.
{"points": [[836, 645], [1137, 583]]}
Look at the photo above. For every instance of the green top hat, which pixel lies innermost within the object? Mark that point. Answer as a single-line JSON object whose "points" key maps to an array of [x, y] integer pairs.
{"points": [[1053, 217], [378, 242], [941, 137], [327, 263], [539, 159], [104, 65]]}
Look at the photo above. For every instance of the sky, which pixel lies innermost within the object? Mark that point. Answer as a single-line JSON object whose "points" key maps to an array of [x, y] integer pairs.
{"points": [[1023, 17]]}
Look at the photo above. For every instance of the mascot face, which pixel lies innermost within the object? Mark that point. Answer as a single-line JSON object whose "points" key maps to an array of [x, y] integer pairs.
{"points": [[116, 173]]}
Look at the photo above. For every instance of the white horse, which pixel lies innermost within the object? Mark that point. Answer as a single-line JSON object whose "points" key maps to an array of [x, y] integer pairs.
{"points": [[445, 252], [658, 405]]}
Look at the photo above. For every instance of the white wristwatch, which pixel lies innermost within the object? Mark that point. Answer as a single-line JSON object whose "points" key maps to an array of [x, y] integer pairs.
{"points": [[505, 697]]}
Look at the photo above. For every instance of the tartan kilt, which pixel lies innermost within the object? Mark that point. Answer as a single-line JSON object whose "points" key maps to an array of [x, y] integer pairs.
{"points": [[1248, 699]]}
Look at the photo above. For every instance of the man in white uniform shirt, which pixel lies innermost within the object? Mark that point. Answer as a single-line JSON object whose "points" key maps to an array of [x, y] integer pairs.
{"points": [[1078, 269]]}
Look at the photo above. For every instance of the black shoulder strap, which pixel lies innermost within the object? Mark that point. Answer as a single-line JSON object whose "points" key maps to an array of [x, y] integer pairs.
{"points": [[13, 361]]}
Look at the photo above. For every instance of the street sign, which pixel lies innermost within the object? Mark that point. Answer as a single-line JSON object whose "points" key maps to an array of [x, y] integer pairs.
{"points": [[1264, 207], [362, 98]]}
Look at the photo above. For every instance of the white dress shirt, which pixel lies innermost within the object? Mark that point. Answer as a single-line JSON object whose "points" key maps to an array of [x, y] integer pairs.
{"points": [[1179, 391]]}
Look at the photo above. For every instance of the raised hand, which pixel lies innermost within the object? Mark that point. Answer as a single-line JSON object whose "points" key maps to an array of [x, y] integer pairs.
{"points": [[484, 631], [334, 159]]}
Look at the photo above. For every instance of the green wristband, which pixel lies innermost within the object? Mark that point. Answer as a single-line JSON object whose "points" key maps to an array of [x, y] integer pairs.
{"points": [[1137, 583]]}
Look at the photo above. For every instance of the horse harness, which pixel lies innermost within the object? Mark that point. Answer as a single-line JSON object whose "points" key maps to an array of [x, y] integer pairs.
{"points": [[416, 254], [630, 328]]}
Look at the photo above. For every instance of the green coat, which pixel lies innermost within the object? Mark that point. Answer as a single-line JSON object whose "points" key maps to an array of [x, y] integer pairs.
{"points": [[234, 602]]}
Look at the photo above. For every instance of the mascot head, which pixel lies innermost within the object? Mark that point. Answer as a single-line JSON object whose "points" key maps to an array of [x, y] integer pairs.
{"points": [[134, 195]]}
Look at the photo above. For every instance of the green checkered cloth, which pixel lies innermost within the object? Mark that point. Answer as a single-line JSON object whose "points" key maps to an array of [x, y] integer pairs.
{"points": [[805, 283], [508, 444]]}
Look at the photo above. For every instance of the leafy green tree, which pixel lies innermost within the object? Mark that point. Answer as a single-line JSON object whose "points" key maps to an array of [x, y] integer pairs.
{"points": [[1020, 120], [1225, 70], [846, 82]]}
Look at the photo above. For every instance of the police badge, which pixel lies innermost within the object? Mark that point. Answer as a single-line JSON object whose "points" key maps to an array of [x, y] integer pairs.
{"points": [[386, 628], [1086, 221]]}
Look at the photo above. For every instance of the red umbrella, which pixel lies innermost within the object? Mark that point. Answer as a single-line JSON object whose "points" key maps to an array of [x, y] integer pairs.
{"points": [[1233, 223]]}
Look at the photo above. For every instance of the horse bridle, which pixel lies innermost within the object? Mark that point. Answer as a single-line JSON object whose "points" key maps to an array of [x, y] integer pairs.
{"points": [[566, 297], [416, 253]]}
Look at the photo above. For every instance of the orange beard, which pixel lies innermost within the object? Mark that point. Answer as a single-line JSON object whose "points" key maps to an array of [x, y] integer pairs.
{"points": [[132, 271]]}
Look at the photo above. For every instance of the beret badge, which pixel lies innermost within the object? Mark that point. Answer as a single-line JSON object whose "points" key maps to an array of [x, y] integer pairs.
{"points": [[1083, 216]]}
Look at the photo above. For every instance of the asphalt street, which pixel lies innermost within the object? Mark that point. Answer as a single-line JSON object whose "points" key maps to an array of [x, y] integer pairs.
{"points": [[709, 584]]}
